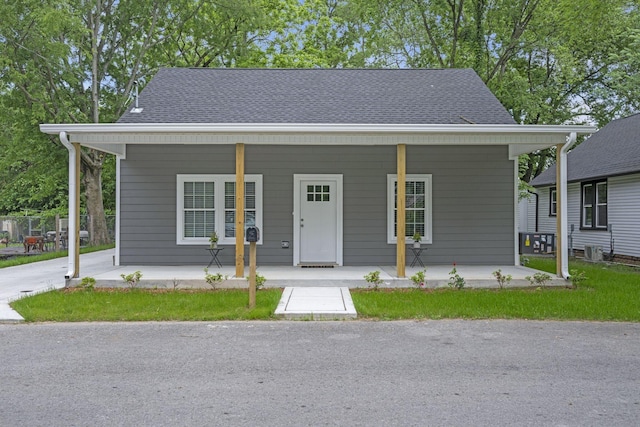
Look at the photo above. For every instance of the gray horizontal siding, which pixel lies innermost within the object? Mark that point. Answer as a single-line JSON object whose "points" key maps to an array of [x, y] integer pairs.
{"points": [[473, 203]]}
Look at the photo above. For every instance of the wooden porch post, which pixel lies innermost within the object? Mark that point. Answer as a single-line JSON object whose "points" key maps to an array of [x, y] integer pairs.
{"points": [[559, 217], [239, 210], [401, 208], [76, 236]]}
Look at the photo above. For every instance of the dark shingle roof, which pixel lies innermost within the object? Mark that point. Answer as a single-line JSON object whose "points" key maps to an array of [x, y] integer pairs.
{"points": [[613, 150], [358, 96]]}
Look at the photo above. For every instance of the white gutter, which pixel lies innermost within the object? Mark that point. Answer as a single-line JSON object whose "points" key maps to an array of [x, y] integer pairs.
{"points": [[266, 128], [561, 181], [71, 231]]}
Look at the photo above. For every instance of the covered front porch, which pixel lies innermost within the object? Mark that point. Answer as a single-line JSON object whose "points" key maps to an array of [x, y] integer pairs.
{"points": [[193, 276]]}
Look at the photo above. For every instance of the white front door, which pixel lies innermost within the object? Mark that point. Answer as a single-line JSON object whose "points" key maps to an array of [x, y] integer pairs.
{"points": [[318, 219]]}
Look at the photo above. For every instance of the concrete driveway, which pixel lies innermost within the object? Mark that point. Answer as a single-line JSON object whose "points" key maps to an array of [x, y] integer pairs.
{"points": [[281, 373]]}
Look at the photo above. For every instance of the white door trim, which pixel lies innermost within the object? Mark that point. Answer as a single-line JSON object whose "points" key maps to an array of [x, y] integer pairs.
{"points": [[297, 179]]}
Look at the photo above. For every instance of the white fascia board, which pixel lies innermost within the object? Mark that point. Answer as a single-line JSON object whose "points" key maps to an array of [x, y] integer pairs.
{"points": [[243, 128], [113, 137]]}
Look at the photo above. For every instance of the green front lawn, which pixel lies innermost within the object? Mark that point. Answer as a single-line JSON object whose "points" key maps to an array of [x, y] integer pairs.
{"points": [[80, 305], [610, 293]]}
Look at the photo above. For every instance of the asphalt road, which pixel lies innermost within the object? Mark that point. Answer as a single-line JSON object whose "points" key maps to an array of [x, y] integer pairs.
{"points": [[353, 373]]}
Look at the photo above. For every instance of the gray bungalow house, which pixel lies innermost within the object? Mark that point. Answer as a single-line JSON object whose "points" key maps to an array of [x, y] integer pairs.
{"points": [[336, 167], [604, 192]]}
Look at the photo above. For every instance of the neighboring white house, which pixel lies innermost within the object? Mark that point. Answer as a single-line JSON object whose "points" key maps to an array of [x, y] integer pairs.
{"points": [[603, 193]]}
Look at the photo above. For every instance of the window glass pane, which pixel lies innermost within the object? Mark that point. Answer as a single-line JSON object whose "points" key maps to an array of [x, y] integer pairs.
{"points": [[309, 197], [229, 195], [250, 202], [325, 197], [188, 224], [410, 187], [318, 188], [602, 193], [325, 188], [250, 219], [229, 224], [587, 192], [318, 197], [602, 216], [588, 217], [420, 187], [250, 188], [408, 231], [198, 201], [309, 188], [410, 216]]}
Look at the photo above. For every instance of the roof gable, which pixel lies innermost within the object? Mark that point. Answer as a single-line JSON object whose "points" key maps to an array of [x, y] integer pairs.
{"points": [[362, 96], [613, 150]]}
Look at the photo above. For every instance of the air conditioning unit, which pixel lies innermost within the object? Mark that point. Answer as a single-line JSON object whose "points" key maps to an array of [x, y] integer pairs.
{"points": [[593, 253]]}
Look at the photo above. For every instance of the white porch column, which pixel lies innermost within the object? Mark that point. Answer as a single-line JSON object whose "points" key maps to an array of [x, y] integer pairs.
{"points": [[73, 232], [562, 254]]}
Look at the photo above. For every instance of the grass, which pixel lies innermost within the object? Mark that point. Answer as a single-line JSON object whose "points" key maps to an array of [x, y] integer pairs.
{"points": [[85, 305], [24, 259], [610, 293]]}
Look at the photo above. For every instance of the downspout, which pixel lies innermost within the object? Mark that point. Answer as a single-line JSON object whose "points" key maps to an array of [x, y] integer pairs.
{"points": [[562, 185], [537, 202], [71, 231]]}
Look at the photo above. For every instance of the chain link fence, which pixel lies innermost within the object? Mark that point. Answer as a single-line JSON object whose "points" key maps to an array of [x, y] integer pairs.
{"points": [[15, 229]]}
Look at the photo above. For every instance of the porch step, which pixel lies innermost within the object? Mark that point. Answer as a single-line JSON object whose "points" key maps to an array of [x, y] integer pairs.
{"points": [[328, 303]]}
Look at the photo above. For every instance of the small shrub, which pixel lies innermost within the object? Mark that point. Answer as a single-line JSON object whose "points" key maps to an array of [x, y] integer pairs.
{"points": [[132, 279], [213, 279], [260, 280], [374, 279], [577, 277], [455, 280], [539, 279], [88, 283], [501, 278], [419, 279]]}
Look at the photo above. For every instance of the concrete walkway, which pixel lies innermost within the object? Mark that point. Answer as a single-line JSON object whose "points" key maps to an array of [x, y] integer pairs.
{"points": [[316, 303]]}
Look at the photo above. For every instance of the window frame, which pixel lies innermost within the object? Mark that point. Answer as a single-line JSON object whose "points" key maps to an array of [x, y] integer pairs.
{"points": [[392, 179], [219, 181], [595, 204], [553, 201]]}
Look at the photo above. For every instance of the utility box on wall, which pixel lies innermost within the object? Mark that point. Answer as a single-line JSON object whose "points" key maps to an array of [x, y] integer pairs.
{"points": [[537, 243]]}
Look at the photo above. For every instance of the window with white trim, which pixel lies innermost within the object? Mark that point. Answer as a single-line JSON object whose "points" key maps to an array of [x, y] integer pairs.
{"points": [[417, 207], [206, 203], [594, 205]]}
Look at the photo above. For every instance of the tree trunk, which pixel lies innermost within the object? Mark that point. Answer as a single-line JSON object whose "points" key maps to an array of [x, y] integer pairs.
{"points": [[92, 180]]}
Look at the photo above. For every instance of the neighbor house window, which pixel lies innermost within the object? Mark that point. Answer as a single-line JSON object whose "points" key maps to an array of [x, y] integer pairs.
{"points": [[417, 205], [553, 202], [206, 203], [594, 205]]}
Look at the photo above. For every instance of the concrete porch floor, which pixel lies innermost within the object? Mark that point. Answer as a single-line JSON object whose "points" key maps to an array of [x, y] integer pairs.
{"points": [[192, 276]]}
